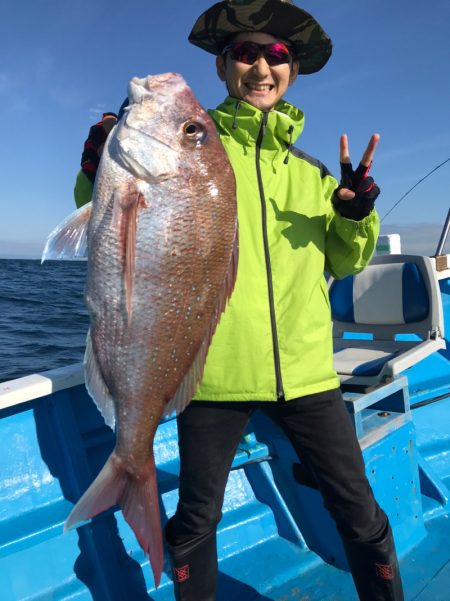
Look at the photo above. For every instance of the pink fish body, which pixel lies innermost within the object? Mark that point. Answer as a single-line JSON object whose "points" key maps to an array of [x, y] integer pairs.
{"points": [[162, 255]]}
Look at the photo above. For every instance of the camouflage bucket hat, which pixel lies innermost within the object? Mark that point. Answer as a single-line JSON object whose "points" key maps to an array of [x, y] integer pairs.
{"points": [[280, 18]]}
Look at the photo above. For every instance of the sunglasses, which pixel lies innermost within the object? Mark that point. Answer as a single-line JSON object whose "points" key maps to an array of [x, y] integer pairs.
{"points": [[248, 52]]}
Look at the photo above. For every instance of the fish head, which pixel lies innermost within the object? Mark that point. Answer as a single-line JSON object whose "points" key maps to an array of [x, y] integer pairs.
{"points": [[163, 124]]}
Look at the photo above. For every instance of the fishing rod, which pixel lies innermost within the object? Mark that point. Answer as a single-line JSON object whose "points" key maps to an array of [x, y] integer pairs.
{"points": [[415, 186], [443, 238]]}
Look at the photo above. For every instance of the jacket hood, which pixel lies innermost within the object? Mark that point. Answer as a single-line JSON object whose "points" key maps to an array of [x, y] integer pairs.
{"points": [[242, 121]]}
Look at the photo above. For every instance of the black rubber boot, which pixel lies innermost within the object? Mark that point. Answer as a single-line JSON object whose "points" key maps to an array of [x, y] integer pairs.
{"points": [[194, 566], [375, 569]]}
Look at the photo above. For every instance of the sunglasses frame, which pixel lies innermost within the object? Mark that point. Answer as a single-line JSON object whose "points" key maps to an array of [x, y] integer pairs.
{"points": [[261, 49]]}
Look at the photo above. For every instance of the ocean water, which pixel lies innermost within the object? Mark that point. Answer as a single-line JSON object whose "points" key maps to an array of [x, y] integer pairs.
{"points": [[43, 318]]}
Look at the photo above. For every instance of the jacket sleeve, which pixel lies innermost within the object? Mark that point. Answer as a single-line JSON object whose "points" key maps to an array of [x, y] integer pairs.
{"points": [[349, 244]]}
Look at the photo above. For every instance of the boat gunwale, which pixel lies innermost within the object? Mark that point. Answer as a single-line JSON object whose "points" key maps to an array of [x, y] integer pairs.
{"points": [[34, 386]]}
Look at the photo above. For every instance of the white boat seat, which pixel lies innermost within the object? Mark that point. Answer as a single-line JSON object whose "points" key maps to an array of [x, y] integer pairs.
{"points": [[386, 318]]}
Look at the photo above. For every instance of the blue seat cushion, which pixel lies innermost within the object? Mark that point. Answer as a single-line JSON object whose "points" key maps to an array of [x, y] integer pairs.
{"points": [[398, 289]]}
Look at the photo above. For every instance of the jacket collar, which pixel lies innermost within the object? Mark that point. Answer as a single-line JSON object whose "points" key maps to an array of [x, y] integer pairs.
{"points": [[242, 121]]}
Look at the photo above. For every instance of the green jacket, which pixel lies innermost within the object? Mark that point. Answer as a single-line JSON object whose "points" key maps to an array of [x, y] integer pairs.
{"points": [[275, 336]]}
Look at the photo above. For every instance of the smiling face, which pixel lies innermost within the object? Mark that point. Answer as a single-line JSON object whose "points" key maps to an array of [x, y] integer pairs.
{"points": [[259, 84]]}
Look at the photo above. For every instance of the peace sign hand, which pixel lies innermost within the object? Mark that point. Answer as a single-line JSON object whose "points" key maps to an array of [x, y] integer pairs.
{"points": [[357, 191]]}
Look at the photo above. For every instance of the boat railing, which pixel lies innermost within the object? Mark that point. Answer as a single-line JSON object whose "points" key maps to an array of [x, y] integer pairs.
{"points": [[29, 388]]}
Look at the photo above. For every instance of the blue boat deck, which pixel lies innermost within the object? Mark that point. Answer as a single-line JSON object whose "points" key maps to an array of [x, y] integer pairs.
{"points": [[276, 541]]}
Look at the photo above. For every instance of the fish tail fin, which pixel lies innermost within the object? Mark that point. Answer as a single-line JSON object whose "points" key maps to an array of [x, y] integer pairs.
{"points": [[140, 507], [137, 495]]}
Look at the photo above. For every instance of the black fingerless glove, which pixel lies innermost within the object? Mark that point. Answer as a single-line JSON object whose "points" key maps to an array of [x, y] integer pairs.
{"points": [[365, 189]]}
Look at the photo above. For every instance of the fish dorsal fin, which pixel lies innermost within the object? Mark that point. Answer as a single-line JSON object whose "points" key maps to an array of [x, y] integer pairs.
{"points": [[69, 239], [96, 387], [191, 380]]}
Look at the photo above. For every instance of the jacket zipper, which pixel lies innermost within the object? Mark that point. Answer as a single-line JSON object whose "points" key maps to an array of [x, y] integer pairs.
{"points": [[276, 349]]}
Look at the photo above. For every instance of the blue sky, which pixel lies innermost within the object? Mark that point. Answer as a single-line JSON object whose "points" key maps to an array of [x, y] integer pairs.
{"points": [[62, 63]]}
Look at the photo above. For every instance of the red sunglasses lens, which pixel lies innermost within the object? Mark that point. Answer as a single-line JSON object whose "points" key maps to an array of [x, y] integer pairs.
{"points": [[244, 52], [248, 52], [276, 54]]}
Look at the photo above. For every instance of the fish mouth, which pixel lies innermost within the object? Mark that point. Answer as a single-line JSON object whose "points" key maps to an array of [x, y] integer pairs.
{"points": [[161, 78], [141, 88]]}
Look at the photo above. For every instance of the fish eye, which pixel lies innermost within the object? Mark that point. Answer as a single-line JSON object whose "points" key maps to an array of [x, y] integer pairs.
{"points": [[194, 131]]}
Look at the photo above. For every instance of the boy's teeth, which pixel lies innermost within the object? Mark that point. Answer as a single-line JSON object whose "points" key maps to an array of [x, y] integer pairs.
{"points": [[259, 87]]}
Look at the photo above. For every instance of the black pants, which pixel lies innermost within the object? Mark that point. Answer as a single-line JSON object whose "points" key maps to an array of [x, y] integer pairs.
{"points": [[321, 433]]}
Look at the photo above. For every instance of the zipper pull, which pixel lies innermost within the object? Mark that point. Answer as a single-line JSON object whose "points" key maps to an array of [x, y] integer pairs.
{"points": [[236, 110], [264, 123], [290, 132]]}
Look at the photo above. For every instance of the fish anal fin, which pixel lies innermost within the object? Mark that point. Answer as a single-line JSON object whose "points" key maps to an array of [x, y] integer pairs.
{"points": [[189, 383], [230, 279], [96, 386], [137, 496], [191, 380]]}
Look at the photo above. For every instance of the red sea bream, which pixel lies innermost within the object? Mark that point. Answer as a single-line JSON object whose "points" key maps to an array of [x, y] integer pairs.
{"points": [[162, 256]]}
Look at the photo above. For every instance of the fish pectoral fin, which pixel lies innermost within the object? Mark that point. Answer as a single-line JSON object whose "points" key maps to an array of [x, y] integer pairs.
{"points": [[69, 239], [129, 200], [96, 386]]}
